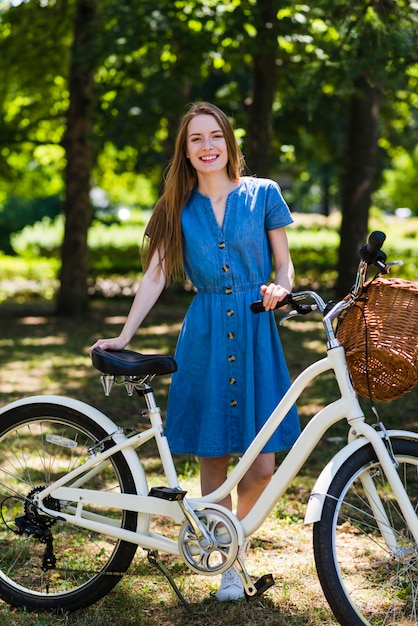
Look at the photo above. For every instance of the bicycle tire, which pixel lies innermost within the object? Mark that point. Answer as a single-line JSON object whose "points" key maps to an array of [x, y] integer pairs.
{"points": [[363, 581], [40, 442]]}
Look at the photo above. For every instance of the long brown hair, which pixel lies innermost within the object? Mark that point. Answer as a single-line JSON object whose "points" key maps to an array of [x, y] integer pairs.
{"points": [[163, 233]]}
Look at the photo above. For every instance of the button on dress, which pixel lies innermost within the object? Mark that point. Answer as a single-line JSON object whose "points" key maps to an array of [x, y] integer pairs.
{"points": [[231, 367]]}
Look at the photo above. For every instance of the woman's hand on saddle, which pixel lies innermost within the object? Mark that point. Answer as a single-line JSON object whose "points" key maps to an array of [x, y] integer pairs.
{"points": [[115, 343]]}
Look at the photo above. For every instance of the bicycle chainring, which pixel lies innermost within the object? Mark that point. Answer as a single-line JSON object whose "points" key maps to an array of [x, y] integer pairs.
{"points": [[217, 557]]}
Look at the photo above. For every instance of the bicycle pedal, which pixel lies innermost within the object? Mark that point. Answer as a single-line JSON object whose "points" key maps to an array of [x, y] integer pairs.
{"points": [[167, 493], [261, 585]]}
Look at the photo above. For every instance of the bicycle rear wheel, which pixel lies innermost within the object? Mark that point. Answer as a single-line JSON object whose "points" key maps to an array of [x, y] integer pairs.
{"points": [[364, 581], [46, 563]]}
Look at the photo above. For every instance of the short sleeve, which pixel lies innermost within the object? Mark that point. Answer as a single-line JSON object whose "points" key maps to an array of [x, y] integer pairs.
{"points": [[277, 212]]}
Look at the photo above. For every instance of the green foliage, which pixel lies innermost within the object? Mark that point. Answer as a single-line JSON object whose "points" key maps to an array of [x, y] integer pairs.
{"points": [[155, 56], [18, 212], [400, 186], [114, 249], [33, 95], [314, 254], [31, 269], [142, 48], [43, 239], [28, 226], [127, 187], [23, 280]]}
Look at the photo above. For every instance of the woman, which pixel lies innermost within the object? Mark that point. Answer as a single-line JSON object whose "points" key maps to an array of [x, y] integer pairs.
{"points": [[223, 230]]}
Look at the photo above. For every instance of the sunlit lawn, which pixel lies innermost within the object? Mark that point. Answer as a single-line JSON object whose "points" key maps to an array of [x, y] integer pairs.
{"points": [[41, 354]]}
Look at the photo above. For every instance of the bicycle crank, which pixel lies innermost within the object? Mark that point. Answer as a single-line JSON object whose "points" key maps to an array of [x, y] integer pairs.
{"points": [[216, 555]]}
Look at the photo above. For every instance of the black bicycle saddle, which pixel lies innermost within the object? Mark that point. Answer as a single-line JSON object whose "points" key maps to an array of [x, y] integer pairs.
{"points": [[131, 363]]}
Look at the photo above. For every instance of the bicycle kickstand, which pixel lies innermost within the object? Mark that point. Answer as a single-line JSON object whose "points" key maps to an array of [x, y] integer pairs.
{"points": [[152, 558]]}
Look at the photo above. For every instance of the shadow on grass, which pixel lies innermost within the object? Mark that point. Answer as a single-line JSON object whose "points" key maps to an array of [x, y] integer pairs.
{"points": [[43, 354]]}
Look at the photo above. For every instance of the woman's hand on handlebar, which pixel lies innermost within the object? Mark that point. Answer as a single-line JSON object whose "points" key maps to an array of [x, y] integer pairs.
{"points": [[272, 294]]}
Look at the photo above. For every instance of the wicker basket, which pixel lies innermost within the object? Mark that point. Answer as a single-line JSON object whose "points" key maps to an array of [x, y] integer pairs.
{"points": [[380, 335]]}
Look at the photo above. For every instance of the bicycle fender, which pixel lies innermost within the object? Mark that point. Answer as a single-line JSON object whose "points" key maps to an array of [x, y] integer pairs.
{"points": [[100, 418], [317, 497]]}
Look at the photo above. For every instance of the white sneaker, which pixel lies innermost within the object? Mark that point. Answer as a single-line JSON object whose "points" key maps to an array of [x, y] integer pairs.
{"points": [[231, 587]]}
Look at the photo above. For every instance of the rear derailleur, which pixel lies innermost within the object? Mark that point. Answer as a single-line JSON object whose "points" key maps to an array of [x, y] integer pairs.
{"points": [[38, 525]]}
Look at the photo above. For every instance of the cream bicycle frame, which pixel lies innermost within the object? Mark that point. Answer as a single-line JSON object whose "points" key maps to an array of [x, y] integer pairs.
{"points": [[346, 407]]}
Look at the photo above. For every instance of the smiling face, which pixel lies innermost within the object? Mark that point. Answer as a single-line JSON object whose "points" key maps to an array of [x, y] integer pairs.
{"points": [[206, 145]]}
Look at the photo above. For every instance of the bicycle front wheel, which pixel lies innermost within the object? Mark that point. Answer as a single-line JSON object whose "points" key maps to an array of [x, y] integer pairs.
{"points": [[46, 563], [365, 555]]}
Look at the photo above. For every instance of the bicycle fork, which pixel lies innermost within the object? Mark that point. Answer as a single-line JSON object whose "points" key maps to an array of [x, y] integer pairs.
{"points": [[382, 447]]}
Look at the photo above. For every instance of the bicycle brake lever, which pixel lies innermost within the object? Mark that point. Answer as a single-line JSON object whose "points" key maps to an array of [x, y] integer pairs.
{"points": [[300, 309], [284, 319], [388, 266]]}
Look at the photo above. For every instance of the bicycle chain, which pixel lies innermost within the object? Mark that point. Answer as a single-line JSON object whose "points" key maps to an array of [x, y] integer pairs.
{"points": [[86, 571]]}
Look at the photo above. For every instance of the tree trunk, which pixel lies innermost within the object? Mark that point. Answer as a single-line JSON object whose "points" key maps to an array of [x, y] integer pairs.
{"points": [[361, 155], [264, 83], [325, 177], [73, 297]]}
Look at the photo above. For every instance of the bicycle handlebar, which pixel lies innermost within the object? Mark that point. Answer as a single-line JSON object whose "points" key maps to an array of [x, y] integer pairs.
{"points": [[302, 309], [370, 253]]}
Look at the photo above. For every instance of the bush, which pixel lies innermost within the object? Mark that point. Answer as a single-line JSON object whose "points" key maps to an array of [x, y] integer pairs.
{"points": [[314, 241], [19, 212], [28, 279], [115, 253], [314, 255], [114, 249], [43, 239]]}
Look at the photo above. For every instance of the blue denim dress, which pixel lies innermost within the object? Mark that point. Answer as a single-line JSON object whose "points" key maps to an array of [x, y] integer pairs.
{"points": [[231, 367]]}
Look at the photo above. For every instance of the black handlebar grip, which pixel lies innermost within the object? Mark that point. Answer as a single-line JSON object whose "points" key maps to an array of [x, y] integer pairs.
{"points": [[257, 306], [370, 250]]}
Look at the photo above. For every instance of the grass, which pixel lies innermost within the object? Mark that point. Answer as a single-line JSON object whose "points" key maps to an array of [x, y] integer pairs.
{"points": [[42, 354]]}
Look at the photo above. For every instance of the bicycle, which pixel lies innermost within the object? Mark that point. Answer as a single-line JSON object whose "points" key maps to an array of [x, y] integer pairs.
{"points": [[75, 503]]}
